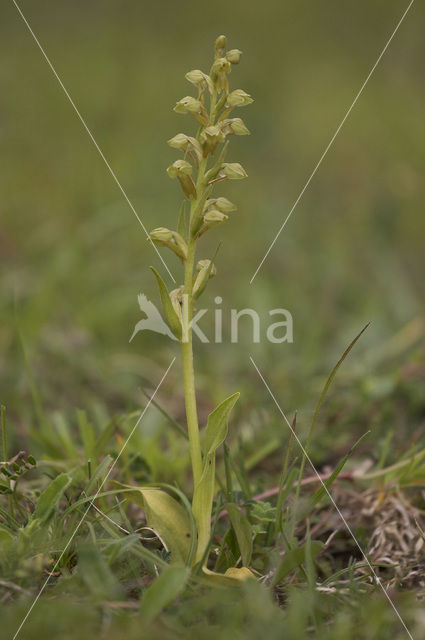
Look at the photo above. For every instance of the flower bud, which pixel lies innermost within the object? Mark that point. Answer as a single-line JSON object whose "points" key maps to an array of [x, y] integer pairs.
{"points": [[210, 137], [233, 171], [189, 104], [220, 69], [180, 141], [238, 127], [213, 217], [239, 98], [205, 264], [212, 133], [161, 235], [195, 77], [234, 56], [183, 171], [179, 167], [224, 205], [205, 270], [200, 79], [220, 46], [221, 65], [186, 143]]}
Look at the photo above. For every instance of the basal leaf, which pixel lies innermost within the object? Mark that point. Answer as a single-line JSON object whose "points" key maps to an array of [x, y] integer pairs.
{"points": [[234, 577], [167, 517]]}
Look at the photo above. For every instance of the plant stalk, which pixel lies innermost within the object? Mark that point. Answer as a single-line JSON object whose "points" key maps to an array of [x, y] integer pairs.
{"points": [[187, 346], [189, 374]]}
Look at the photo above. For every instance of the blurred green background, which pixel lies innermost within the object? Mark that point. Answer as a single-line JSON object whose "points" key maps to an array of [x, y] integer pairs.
{"points": [[74, 257]]}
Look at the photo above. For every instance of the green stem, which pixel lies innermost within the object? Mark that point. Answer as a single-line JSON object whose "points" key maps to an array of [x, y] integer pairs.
{"points": [[187, 346], [189, 374]]}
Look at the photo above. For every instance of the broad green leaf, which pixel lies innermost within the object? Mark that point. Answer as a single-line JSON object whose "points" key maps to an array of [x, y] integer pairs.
{"points": [[242, 529], [49, 499], [170, 314], [163, 591], [215, 433], [167, 517], [294, 558]]}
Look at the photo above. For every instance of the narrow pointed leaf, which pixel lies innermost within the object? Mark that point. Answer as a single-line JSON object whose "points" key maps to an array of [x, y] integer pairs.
{"points": [[216, 429], [170, 314], [331, 378]]}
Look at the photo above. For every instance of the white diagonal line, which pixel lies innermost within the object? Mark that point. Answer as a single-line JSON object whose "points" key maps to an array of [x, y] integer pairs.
{"points": [[331, 142], [350, 531], [92, 500], [83, 122]]}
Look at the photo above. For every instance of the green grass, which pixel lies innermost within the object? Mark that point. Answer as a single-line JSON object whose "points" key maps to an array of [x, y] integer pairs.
{"points": [[310, 586]]}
